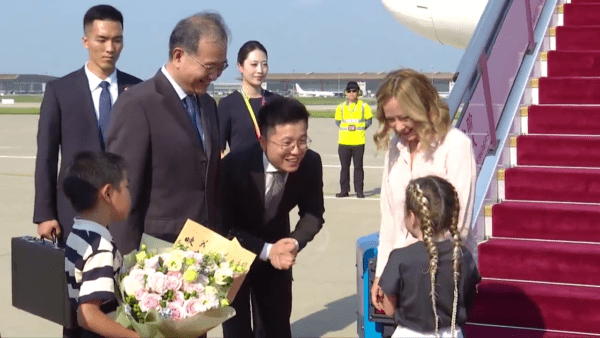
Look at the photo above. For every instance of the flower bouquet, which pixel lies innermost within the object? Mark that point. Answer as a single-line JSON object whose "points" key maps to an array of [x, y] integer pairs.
{"points": [[181, 292]]}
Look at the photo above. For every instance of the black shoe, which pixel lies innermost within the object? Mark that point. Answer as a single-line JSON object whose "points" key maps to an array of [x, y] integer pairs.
{"points": [[360, 195], [341, 194]]}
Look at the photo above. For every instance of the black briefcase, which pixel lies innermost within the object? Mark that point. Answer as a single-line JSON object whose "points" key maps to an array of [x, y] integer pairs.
{"points": [[39, 284]]}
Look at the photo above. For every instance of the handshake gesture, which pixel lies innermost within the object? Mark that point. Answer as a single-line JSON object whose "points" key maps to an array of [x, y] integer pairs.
{"points": [[283, 253]]}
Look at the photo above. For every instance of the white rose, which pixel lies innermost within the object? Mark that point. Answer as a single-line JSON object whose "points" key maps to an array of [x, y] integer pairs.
{"points": [[174, 264], [210, 290], [222, 274], [131, 285], [151, 263]]}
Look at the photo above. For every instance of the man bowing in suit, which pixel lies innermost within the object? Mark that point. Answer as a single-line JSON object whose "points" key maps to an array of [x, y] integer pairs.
{"points": [[74, 116], [260, 187], [166, 128]]}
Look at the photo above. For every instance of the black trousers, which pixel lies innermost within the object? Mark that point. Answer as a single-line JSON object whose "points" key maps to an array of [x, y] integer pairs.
{"points": [[346, 154], [272, 293]]}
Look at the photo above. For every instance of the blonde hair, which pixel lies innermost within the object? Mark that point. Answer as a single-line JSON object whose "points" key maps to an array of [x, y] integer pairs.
{"points": [[420, 102], [435, 203]]}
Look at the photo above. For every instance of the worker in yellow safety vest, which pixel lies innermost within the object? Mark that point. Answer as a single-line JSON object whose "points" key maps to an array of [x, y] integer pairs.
{"points": [[352, 117]]}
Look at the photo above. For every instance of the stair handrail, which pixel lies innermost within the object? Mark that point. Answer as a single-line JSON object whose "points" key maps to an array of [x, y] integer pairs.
{"points": [[472, 69], [481, 43]]}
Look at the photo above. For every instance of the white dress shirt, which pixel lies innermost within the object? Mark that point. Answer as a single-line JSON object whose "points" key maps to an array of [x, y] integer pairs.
{"points": [[270, 171], [94, 82], [453, 160], [182, 95]]}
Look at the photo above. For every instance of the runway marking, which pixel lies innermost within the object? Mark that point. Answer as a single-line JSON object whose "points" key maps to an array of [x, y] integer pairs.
{"points": [[17, 157], [339, 166]]}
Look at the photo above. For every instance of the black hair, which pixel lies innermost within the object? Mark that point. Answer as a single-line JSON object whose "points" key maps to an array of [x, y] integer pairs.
{"points": [[89, 172], [189, 31], [280, 111], [248, 48], [102, 12]]}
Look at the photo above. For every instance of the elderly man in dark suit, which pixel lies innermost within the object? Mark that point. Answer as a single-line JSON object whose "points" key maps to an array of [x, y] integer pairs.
{"points": [[74, 116], [260, 187], [167, 130]]}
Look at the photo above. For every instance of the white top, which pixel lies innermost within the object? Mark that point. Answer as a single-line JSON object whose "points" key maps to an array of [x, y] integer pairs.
{"points": [[452, 160], [94, 82]]}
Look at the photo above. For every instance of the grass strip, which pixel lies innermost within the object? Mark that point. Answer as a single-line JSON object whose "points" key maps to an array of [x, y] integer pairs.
{"points": [[19, 111]]}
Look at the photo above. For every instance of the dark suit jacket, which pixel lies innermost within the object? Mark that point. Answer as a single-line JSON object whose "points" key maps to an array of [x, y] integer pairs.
{"points": [[171, 177], [244, 198], [67, 122]]}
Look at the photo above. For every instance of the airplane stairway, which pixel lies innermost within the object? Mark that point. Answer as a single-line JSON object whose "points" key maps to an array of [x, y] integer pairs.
{"points": [[541, 266]]}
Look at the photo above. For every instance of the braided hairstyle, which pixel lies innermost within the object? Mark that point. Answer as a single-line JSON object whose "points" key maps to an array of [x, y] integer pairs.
{"points": [[434, 201]]}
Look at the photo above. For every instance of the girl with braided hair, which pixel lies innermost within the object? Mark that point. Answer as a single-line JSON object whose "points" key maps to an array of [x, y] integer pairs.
{"points": [[429, 286], [419, 139]]}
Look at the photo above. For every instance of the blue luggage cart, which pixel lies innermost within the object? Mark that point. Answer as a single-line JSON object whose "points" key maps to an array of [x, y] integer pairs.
{"points": [[369, 323]]}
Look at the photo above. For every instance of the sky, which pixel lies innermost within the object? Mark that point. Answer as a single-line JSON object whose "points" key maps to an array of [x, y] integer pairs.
{"points": [[301, 36]]}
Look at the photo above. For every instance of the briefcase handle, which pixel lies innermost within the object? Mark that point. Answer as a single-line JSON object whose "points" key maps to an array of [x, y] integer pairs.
{"points": [[41, 240]]}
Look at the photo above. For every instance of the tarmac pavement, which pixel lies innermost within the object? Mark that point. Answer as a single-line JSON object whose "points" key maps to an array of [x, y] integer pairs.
{"points": [[324, 290]]}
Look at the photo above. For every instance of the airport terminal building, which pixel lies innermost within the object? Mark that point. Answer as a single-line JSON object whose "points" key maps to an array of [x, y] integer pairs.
{"points": [[284, 83], [280, 83], [24, 83]]}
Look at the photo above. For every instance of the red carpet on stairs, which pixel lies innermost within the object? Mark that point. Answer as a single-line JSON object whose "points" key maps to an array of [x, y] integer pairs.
{"points": [[553, 184], [574, 90], [558, 150], [562, 119], [543, 261], [537, 305], [550, 221], [570, 63], [578, 37], [541, 266]]}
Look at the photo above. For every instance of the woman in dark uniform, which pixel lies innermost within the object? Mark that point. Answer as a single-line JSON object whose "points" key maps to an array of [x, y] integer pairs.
{"points": [[238, 111]]}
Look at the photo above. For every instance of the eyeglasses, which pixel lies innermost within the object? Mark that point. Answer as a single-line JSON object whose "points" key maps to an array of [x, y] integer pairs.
{"points": [[352, 90], [212, 68], [289, 146]]}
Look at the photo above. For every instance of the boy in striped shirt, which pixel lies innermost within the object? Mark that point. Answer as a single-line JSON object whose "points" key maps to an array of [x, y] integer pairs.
{"points": [[97, 186]]}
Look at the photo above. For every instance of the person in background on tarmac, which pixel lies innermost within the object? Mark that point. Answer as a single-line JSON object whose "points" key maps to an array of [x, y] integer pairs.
{"points": [[352, 117], [238, 111]]}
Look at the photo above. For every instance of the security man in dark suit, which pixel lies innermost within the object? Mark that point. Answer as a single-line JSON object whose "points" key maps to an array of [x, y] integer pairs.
{"points": [[166, 128], [260, 187], [74, 117]]}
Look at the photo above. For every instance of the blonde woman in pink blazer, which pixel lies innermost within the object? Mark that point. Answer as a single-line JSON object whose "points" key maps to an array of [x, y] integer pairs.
{"points": [[416, 131]]}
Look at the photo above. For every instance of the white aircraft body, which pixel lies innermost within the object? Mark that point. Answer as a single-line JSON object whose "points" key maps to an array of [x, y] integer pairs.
{"points": [[315, 93], [447, 22]]}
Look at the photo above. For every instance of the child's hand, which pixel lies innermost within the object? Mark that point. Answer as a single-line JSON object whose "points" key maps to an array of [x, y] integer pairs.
{"points": [[377, 295]]}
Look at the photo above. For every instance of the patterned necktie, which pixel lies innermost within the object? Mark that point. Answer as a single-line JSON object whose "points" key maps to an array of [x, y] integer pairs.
{"points": [[104, 108], [274, 195], [194, 113]]}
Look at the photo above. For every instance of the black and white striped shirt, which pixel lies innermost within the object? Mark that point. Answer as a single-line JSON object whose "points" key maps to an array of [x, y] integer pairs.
{"points": [[92, 263]]}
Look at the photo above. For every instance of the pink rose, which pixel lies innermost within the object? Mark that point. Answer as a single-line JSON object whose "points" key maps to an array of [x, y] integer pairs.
{"points": [[193, 306], [150, 301], [177, 311], [191, 287], [139, 294], [179, 298], [157, 282], [174, 280]]}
